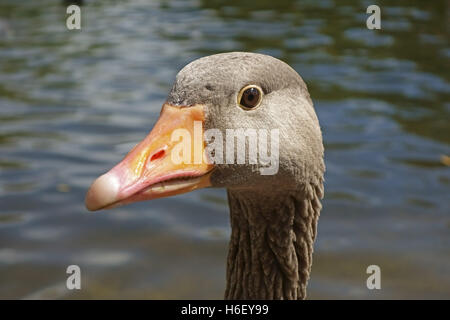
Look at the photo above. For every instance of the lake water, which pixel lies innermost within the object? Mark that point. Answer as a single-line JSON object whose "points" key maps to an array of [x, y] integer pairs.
{"points": [[72, 103]]}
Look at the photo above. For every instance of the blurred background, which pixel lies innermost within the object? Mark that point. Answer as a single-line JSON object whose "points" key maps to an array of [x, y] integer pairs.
{"points": [[73, 103]]}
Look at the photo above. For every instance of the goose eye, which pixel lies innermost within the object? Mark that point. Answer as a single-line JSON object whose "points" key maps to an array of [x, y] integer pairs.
{"points": [[250, 97]]}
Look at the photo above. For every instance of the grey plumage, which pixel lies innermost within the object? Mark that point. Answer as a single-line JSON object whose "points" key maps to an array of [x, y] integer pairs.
{"points": [[273, 218]]}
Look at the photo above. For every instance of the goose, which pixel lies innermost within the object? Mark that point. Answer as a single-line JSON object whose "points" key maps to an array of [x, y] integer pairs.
{"points": [[273, 217]]}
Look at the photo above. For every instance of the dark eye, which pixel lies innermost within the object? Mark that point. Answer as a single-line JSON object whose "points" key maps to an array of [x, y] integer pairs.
{"points": [[250, 97]]}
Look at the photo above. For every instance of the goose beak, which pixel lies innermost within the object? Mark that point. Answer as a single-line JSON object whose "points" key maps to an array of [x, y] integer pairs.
{"points": [[169, 161]]}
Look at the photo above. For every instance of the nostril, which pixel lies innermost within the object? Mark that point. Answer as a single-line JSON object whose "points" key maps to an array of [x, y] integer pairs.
{"points": [[159, 154]]}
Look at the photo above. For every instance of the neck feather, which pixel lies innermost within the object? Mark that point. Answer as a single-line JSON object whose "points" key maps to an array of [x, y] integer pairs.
{"points": [[270, 251]]}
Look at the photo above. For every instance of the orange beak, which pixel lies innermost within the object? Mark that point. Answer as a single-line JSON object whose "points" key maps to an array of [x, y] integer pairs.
{"points": [[167, 162]]}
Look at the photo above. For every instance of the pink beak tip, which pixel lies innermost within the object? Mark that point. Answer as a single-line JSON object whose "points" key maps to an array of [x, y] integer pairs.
{"points": [[103, 192]]}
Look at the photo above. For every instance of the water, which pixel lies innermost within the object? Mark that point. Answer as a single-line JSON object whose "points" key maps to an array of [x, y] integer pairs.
{"points": [[73, 103]]}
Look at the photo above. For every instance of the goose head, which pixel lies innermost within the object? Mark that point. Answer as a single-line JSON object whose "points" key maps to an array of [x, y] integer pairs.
{"points": [[212, 98]]}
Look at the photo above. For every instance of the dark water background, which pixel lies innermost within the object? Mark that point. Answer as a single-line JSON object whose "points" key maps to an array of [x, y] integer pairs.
{"points": [[72, 103]]}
